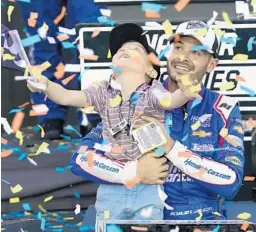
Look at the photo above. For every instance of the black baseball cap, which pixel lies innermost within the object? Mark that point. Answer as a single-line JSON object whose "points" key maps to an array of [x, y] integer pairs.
{"points": [[126, 32]]}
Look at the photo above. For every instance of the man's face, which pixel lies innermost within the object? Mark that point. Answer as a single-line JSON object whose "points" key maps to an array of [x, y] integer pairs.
{"points": [[183, 60], [132, 56]]}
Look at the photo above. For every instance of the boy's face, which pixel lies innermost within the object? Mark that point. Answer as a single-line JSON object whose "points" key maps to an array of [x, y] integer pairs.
{"points": [[132, 56], [183, 60]]}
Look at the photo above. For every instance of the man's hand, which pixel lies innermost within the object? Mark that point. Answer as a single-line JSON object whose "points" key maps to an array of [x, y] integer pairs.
{"points": [[36, 85], [152, 169]]}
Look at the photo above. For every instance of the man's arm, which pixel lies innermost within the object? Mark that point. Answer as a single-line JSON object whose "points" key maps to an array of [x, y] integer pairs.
{"points": [[223, 173], [106, 170]]}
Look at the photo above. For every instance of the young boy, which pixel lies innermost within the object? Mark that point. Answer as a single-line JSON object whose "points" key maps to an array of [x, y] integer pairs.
{"points": [[119, 102]]}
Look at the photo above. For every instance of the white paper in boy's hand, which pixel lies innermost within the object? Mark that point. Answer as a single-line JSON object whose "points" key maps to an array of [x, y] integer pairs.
{"points": [[32, 82]]}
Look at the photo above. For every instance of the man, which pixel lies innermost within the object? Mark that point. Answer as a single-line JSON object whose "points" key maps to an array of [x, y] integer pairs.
{"points": [[205, 149], [36, 14]]}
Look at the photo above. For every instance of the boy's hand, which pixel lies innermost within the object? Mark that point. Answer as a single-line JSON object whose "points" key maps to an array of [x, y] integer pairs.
{"points": [[189, 85], [37, 85]]}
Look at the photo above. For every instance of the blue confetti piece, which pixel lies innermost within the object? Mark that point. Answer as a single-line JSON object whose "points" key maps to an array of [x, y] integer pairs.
{"points": [[185, 137], [248, 90], [216, 229], [65, 137], [22, 156], [15, 110], [62, 147], [195, 102], [30, 40], [15, 149], [228, 40], [28, 1], [114, 228], [57, 230], [146, 6], [159, 150], [42, 224], [77, 195], [105, 20], [134, 98], [118, 70], [69, 127], [163, 52], [83, 228], [105, 141], [26, 206], [59, 169], [5, 181], [196, 48], [249, 44], [25, 30], [39, 215], [67, 45], [36, 128]]}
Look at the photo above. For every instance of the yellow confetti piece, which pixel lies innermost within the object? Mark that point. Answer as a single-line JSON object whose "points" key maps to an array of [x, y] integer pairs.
{"points": [[200, 215], [242, 57], [167, 27], [201, 32], [58, 226], [185, 80], [16, 189], [42, 208], [9, 12], [8, 57], [106, 214], [114, 102], [35, 72], [249, 178], [42, 147], [216, 213], [166, 102], [48, 199], [219, 32], [69, 218], [19, 136], [2, 229], [45, 65], [109, 56], [79, 224], [26, 71], [196, 125], [227, 86], [42, 131], [14, 200], [243, 216], [227, 19], [231, 141], [194, 89], [223, 132]]}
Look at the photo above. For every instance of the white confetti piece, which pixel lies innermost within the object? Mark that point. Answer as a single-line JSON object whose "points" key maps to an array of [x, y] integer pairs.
{"points": [[6, 125], [32, 161]]}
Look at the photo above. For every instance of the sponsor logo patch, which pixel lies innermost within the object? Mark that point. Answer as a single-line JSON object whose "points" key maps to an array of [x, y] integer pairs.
{"points": [[234, 160]]}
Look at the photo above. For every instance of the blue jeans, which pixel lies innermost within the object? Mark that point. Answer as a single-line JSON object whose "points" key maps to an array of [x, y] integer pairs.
{"points": [[142, 202]]}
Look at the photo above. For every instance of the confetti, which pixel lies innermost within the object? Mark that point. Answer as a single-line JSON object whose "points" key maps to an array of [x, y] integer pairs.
{"points": [[106, 12], [223, 132], [244, 216], [68, 45], [16, 189], [90, 158], [32, 161], [72, 68], [227, 19], [42, 208], [9, 12], [4, 141], [219, 32], [200, 215], [199, 48], [34, 113], [78, 209], [62, 37], [8, 57], [241, 57], [31, 40], [60, 16], [60, 71], [249, 178], [67, 31], [216, 229], [227, 86], [195, 102], [213, 18], [24, 105], [48, 198], [5, 181], [117, 149], [152, 15], [114, 102], [131, 183], [95, 33], [68, 79], [14, 200], [26, 206], [105, 20], [196, 88], [42, 147], [196, 125], [77, 195], [89, 57], [115, 69], [42, 227], [15, 110], [181, 4], [231, 141], [32, 22], [166, 102], [19, 136], [217, 214], [51, 40], [245, 226], [167, 27], [248, 90], [59, 169], [240, 79], [146, 6], [109, 56], [160, 150], [106, 214], [153, 59], [42, 131], [249, 44], [138, 228], [42, 31], [6, 153], [185, 80]]}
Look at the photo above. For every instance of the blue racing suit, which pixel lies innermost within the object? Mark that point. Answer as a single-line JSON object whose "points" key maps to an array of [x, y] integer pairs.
{"points": [[78, 11], [206, 164]]}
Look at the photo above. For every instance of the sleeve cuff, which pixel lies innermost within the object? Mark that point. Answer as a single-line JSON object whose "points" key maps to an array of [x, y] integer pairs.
{"points": [[172, 155], [129, 171]]}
